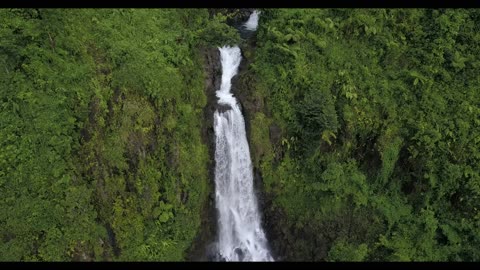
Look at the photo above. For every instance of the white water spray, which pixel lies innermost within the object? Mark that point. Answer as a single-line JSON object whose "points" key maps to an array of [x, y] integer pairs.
{"points": [[252, 22], [240, 235]]}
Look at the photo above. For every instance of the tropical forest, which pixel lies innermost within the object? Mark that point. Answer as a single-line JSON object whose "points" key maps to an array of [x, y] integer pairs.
{"points": [[240, 134]]}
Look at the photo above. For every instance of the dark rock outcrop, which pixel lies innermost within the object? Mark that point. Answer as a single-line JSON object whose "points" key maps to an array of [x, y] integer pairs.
{"points": [[202, 247]]}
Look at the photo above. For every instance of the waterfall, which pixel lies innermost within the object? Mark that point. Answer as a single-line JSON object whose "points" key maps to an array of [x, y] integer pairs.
{"points": [[240, 234], [252, 22]]}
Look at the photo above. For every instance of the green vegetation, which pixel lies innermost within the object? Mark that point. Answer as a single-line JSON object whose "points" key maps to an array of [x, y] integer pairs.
{"points": [[377, 111], [100, 120], [364, 125]]}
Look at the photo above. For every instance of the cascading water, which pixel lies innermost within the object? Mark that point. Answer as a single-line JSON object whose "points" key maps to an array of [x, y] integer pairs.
{"points": [[252, 22], [240, 235]]}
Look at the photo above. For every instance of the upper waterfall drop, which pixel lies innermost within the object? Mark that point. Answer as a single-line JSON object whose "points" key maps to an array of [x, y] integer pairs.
{"points": [[230, 58], [252, 22]]}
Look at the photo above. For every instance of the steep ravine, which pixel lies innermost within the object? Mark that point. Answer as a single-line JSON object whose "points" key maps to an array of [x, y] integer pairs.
{"points": [[243, 88]]}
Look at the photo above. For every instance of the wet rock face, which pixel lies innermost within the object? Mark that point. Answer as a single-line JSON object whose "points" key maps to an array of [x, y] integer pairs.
{"points": [[203, 248], [240, 253], [239, 21], [238, 16], [212, 254], [213, 71]]}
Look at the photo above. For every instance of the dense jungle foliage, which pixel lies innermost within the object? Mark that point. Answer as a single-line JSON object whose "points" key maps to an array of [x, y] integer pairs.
{"points": [[363, 124], [373, 151], [100, 115]]}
